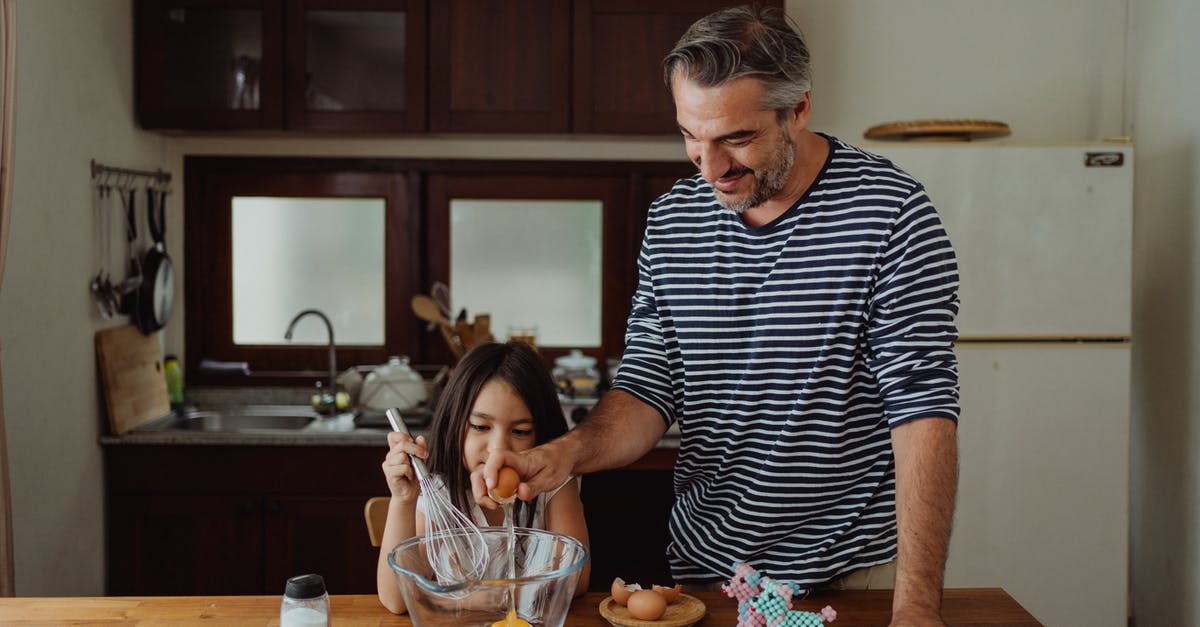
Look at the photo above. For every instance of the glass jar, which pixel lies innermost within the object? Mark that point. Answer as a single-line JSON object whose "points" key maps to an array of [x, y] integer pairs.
{"points": [[576, 375], [305, 602]]}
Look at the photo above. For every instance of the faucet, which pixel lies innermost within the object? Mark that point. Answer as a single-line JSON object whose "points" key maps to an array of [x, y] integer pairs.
{"points": [[328, 398]]}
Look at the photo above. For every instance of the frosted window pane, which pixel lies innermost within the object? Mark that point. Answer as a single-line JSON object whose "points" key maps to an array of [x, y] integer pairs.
{"points": [[291, 254], [529, 262]]}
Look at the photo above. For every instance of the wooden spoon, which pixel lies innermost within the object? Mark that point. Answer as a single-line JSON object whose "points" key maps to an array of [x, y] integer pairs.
{"points": [[427, 309]]}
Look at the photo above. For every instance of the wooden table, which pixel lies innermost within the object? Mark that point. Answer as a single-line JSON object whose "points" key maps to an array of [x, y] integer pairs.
{"points": [[967, 606]]}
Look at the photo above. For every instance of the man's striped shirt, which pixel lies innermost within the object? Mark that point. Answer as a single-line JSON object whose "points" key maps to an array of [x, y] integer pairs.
{"points": [[787, 352]]}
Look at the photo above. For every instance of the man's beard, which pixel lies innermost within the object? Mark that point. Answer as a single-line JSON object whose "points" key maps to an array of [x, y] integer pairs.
{"points": [[769, 181]]}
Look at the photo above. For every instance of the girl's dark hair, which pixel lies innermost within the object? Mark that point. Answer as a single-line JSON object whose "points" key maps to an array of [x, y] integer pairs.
{"points": [[514, 363]]}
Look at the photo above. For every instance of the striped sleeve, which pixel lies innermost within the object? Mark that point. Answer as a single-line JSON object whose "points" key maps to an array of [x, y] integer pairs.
{"points": [[911, 329]]}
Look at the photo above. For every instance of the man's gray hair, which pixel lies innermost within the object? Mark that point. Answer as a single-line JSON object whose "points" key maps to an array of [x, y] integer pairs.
{"points": [[742, 42]]}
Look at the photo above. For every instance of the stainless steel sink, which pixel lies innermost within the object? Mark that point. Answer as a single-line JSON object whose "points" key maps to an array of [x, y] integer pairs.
{"points": [[239, 419]]}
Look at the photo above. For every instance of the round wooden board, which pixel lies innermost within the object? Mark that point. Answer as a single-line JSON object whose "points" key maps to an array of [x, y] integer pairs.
{"points": [[938, 130], [685, 610]]}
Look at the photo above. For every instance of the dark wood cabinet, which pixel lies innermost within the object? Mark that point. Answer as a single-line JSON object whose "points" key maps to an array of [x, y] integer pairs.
{"points": [[171, 544], [209, 64], [212, 520], [186, 520], [499, 66], [355, 65], [471, 66], [319, 534], [302, 65], [617, 76]]}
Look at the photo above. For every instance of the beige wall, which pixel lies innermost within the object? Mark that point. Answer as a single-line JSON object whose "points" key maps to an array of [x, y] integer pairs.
{"points": [[1054, 71], [1165, 455], [74, 103]]}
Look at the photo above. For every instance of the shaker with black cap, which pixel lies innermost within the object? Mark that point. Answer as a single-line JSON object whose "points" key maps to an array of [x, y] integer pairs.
{"points": [[305, 602]]}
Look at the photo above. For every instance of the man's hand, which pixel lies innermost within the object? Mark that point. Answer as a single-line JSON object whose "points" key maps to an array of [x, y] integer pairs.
{"points": [[542, 469], [618, 431]]}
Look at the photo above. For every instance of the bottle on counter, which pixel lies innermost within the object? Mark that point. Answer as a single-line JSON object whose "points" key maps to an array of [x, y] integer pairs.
{"points": [[305, 602], [174, 375]]}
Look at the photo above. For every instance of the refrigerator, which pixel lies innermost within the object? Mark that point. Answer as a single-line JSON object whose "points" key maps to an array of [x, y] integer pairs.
{"points": [[1043, 235]]}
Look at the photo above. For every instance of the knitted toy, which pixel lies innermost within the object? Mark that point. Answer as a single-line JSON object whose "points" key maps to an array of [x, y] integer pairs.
{"points": [[764, 602]]}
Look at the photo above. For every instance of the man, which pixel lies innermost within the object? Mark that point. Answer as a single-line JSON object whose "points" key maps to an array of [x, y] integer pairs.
{"points": [[795, 313]]}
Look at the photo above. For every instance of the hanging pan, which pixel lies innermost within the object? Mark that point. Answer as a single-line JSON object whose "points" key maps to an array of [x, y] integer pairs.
{"points": [[158, 274]]}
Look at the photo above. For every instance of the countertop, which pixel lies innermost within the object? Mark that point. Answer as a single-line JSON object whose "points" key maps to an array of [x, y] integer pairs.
{"points": [[330, 432], [862, 608]]}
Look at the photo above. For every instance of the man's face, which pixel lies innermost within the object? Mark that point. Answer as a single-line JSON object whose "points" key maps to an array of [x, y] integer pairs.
{"points": [[744, 151]]}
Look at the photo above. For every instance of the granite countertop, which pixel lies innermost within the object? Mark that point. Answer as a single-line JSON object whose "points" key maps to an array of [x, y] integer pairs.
{"points": [[340, 430]]}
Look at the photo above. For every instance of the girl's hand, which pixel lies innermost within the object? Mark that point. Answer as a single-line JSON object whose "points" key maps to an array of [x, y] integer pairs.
{"points": [[398, 470]]}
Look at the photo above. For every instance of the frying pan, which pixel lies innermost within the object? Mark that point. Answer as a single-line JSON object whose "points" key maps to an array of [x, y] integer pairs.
{"points": [[127, 292], [158, 274]]}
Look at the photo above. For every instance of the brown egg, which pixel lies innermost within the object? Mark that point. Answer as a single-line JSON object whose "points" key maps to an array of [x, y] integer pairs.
{"points": [[621, 590], [668, 594], [647, 605], [507, 481]]}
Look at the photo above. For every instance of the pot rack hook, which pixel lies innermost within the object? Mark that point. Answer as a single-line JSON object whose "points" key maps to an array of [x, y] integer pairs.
{"points": [[126, 178]]}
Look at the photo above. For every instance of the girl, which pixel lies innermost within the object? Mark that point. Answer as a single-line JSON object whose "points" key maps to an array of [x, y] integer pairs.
{"points": [[500, 397]]}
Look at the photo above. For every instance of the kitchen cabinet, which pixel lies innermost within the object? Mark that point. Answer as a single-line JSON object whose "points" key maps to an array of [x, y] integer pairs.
{"points": [[500, 66], [617, 77], [299, 65], [473, 66], [627, 512], [511, 66], [210, 519], [185, 520]]}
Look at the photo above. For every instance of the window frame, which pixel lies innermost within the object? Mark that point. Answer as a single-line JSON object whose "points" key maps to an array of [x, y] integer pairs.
{"points": [[417, 246]]}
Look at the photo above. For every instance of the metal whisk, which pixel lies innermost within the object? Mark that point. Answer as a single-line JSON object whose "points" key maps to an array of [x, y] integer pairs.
{"points": [[454, 545]]}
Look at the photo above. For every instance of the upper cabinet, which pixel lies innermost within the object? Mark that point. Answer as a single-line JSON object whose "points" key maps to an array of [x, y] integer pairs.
{"points": [[324, 65], [617, 73], [409, 66], [354, 65], [500, 66]]}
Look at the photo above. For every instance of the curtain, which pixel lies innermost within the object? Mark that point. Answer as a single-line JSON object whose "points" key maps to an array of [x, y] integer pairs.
{"points": [[8, 81]]}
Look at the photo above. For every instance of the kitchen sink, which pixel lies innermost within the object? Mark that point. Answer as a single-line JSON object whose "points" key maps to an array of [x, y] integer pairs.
{"points": [[238, 419]]}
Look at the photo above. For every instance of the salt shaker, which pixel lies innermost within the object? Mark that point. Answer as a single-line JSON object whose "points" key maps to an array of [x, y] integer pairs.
{"points": [[305, 603]]}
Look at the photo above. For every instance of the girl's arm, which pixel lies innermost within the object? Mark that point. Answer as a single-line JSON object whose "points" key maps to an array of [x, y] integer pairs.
{"points": [[564, 514], [403, 518]]}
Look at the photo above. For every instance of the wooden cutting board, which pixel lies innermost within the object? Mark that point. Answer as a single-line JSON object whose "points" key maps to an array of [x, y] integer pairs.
{"points": [[131, 377]]}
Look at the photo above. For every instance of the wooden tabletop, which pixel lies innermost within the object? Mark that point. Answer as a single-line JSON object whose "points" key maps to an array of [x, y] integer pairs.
{"points": [[966, 606]]}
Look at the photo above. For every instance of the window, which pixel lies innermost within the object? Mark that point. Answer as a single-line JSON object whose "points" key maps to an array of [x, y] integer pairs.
{"points": [[292, 254], [263, 245], [533, 264], [547, 244]]}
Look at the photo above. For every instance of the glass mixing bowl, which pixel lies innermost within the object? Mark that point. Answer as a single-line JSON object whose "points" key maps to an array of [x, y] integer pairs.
{"points": [[546, 566]]}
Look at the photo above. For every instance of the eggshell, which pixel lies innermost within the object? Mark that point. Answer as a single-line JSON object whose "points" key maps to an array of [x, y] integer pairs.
{"points": [[507, 481], [667, 593], [621, 591], [646, 605]]}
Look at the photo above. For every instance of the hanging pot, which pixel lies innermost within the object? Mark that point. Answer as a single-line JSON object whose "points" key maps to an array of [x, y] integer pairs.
{"points": [[158, 274], [127, 293]]}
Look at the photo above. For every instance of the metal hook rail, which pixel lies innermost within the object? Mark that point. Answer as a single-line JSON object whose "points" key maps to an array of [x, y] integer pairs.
{"points": [[104, 172]]}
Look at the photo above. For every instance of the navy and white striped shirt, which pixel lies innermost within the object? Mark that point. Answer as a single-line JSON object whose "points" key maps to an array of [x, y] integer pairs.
{"points": [[787, 352]]}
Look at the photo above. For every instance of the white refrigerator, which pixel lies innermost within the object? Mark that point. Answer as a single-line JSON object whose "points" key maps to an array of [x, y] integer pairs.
{"points": [[1043, 235]]}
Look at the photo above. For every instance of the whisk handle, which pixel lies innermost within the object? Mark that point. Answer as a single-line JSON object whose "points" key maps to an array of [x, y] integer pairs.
{"points": [[393, 416]]}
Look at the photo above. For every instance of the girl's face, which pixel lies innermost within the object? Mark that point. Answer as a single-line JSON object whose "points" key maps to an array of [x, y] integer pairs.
{"points": [[498, 421]]}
